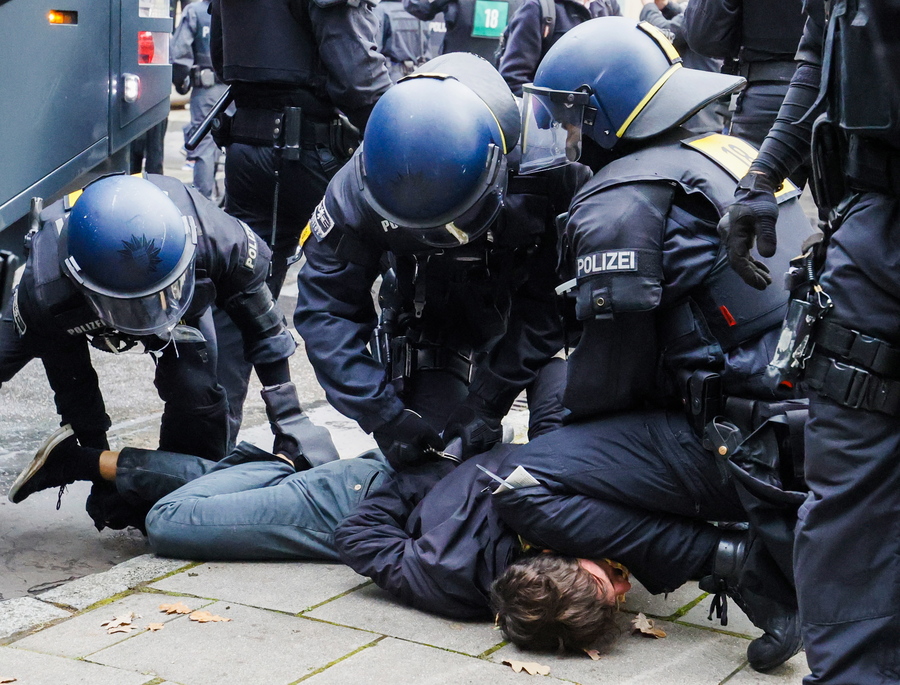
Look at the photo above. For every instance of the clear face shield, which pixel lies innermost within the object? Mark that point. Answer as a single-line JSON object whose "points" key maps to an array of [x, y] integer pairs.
{"points": [[552, 122], [154, 314]]}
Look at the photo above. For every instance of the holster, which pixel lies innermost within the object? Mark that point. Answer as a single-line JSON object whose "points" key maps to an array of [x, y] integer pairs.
{"points": [[829, 185], [703, 399]]}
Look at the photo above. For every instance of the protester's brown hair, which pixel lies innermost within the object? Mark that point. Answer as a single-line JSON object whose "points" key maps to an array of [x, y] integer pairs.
{"points": [[547, 602]]}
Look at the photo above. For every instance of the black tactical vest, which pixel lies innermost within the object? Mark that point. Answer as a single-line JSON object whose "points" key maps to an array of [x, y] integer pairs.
{"points": [[263, 42], [771, 29]]}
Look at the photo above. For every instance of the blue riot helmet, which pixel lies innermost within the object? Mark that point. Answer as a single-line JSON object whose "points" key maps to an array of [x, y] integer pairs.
{"points": [[130, 251], [433, 160], [610, 79]]}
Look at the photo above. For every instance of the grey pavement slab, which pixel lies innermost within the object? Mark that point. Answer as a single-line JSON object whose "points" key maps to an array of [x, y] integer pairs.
{"points": [[737, 619], [686, 656], [394, 661], [89, 590], [290, 586], [662, 605], [22, 613], [373, 609], [792, 671], [257, 646], [84, 634], [30, 668]]}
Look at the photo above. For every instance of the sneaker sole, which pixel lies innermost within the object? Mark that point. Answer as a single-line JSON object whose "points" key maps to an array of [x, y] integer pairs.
{"points": [[39, 460]]}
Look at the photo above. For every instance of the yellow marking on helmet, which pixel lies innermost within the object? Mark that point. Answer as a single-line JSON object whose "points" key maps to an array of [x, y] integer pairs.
{"points": [[649, 96], [74, 195], [661, 40], [304, 234]]}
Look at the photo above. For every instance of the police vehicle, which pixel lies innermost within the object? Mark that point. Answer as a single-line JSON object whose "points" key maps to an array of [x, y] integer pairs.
{"points": [[80, 80]]}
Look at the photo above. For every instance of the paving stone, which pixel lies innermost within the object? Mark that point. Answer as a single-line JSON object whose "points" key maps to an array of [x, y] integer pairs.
{"points": [[662, 605], [737, 619], [30, 668], [22, 613], [89, 590], [687, 656], [83, 635], [257, 646], [373, 609], [394, 661], [290, 586], [792, 672]]}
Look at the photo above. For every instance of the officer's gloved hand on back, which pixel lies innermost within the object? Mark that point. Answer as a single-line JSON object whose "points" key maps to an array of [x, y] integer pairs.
{"points": [[296, 437], [751, 217], [408, 440], [477, 424]]}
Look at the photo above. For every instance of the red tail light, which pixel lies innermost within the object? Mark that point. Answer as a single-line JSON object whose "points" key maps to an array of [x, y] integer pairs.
{"points": [[146, 48]]}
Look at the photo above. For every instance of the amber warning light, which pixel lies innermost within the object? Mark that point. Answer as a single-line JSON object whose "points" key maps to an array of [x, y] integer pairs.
{"points": [[62, 17]]}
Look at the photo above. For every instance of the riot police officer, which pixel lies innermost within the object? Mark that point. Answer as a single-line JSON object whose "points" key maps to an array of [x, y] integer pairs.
{"points": [[672, 338], [293, 67], [846, 553], [759, 38], [405, 41], [134, 261], [192, 70], [472, 25], [470, 247]]}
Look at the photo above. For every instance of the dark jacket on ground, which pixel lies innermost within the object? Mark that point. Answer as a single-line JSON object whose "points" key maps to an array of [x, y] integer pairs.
{"points": [[440, 549]]}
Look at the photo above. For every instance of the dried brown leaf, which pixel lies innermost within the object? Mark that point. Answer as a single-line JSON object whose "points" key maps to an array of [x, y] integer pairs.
{"points": [[206, 617], [176, 608], [119, 624], [642, 625], [530, 667], [119, 629], [153, 627], [593, 653]]}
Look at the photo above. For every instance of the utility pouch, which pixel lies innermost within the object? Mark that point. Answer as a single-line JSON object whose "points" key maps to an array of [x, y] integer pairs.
{"points": [[704, 399], [202, 77], [807, 305], [829, 186], [345, 138], [287, 140], [220, 129]]}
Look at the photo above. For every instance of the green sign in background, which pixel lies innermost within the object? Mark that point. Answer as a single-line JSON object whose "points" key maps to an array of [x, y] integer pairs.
{"points": [[490, 18]]}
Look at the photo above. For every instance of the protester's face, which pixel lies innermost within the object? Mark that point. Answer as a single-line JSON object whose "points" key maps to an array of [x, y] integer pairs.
{"points": [[611, 582]]}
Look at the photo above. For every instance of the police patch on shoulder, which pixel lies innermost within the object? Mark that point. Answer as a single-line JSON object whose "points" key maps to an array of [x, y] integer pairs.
{"points": [[321, 223], [607, 261]]}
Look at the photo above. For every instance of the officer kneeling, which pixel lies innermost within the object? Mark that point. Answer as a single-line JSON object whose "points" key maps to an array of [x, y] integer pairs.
{"points": [[143, 260], [667, 379]]}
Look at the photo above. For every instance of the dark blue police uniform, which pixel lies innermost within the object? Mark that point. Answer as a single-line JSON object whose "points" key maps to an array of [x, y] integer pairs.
{"points": [[51, 320], [629, 478], [472, 25], [490, 302], [847, 558], [316, 57], [762, 36], [526, 44]]}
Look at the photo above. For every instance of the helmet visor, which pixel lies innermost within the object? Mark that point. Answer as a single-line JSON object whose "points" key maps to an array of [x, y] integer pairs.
{"points": [[551, 127], [154, 314]]}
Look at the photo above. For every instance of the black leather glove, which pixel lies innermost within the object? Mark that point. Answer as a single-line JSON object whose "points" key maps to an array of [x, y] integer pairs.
{"points": [[751, 217], [181, 78], [476, 424], [296, 437], [406, 439]]}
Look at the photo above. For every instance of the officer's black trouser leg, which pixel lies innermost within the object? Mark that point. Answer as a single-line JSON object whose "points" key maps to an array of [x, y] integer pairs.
{"points": [[637, 488], [250, 192], [545, 407], [847, 553], [194, 419]]}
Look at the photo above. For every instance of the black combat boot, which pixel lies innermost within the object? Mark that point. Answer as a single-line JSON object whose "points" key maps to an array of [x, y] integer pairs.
{"points": [[777, 618], [52, 466]]}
